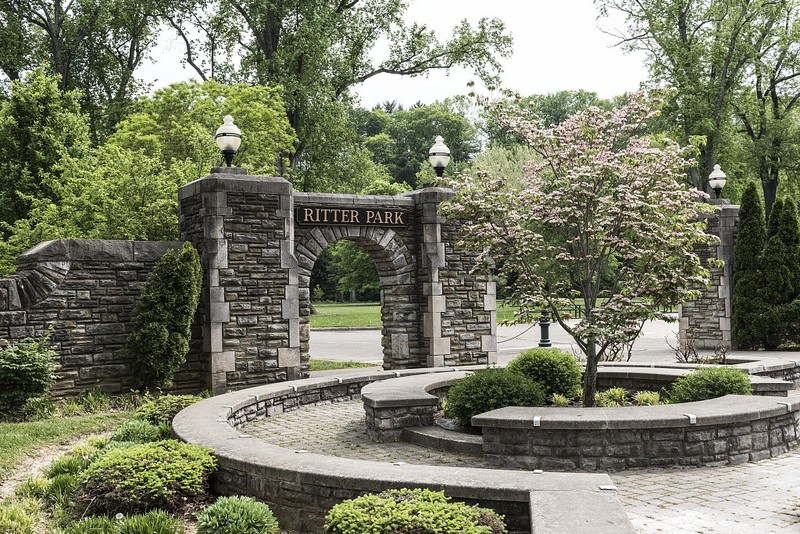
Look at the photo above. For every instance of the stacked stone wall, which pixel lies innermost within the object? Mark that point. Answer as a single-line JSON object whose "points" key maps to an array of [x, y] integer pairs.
{"points": [[85, 292], [705, 323]]}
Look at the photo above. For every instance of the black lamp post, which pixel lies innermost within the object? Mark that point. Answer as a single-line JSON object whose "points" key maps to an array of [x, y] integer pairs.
{"points": [[439, 156], [717, 180], [228, 138]]}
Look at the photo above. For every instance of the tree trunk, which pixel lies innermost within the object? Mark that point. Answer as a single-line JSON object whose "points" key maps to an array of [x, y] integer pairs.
{"points": [[590, 376]]}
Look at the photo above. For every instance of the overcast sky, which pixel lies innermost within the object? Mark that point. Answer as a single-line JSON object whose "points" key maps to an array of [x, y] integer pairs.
{"points": [[558, 44]]}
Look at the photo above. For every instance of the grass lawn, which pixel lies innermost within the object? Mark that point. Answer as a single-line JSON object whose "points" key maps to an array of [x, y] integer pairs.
{"points": [[328, 365], [369, 314], [359, 314], [19, 439]]}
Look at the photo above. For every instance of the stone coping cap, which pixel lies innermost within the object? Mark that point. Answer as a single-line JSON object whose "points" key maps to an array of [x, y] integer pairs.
{"points": [[100, 250], [206, 423], [723, 410], [235, 183], [409, 390], [749, 364]]}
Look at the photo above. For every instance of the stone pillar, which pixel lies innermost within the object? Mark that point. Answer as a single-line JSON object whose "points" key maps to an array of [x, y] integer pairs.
{"points": [[242, 226], [432, 259], [706, 321]]}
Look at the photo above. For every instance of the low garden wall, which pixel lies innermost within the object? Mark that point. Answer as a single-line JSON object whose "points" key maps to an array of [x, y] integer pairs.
{"points": [[301, 487]]}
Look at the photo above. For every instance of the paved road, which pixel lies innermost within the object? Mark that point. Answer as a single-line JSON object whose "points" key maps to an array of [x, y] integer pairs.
{"points": [[365, 345]]}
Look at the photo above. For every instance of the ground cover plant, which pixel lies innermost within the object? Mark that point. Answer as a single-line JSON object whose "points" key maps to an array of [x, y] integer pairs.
{"points": [[408, 511], [163, 408], [237, 515], [166, 475]]}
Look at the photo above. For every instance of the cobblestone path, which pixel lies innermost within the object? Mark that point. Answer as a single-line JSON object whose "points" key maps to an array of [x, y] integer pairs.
{"points": [[749, 498]]}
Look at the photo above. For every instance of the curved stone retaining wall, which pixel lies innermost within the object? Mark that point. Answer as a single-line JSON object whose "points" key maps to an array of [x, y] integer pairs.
{"points": [[302, 487], [727, 430]]}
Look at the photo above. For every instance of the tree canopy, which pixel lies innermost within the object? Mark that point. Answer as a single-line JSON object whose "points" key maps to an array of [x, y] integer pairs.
{"points": [[601, 217]]}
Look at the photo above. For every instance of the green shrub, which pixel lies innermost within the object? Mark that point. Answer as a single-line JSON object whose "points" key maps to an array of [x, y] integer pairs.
{"points": [[19, 516], [39, 409], [236, 515], [709, 383], [138, 431], [162, 318], [154, 522], [647, 398], [611, 397], [408, 511], [488, 390], [164, 408], [27, 371], [163, 474], [556, 371], [560, 400]]}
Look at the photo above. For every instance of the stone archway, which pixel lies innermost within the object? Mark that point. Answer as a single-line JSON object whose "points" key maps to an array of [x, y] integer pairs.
{"points": [[395, 265], [258, 241]]}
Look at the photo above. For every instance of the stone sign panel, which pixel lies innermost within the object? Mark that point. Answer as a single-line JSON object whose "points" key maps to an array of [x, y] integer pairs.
{"points": [[319, 215]]}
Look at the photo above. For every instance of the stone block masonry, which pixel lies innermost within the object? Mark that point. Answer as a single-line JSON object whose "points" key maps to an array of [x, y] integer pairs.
{"points": [[85, 291]]}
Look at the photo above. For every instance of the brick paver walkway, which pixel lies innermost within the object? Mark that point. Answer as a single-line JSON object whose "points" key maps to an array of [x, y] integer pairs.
{"points": [[750, 498]]}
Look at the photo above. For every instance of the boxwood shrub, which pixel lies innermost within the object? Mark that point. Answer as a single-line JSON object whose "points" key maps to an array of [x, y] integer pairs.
{"points": [[488, 390], [411, 511], [236, 515], [164, 474], [556, 371], [709, 383]]}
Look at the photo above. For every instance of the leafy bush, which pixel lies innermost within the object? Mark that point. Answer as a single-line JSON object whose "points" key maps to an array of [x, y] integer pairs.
{"points": [[560, 400], [162, 317], [556, 370], [19, 516], [138, 431], [709, 383], [407, 511], [163, 474], [236, 515], [611, 397], [488, 390], [27, 371], [647, 398], [164, 408], [154, 522]]}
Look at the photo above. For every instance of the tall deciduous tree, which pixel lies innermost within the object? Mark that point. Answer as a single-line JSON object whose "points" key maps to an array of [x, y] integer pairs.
{"points": [[92, 45], [703, 48], [39, 125], [318, 49], [602, 217], [747, 271]]}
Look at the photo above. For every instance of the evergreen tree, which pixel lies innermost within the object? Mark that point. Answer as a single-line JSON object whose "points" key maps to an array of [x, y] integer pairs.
{"points": [[789, 232], [162, 318], [774, 294], [774, 218], [747, 274]]}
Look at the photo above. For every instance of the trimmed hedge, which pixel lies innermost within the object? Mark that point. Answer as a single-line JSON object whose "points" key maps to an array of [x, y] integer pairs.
{"points": [[489, 390], [411, 511], [556, 371], [710, 383]]}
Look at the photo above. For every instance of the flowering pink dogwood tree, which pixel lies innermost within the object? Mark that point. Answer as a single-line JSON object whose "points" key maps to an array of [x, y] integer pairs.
{"points": [[602, 218]]}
